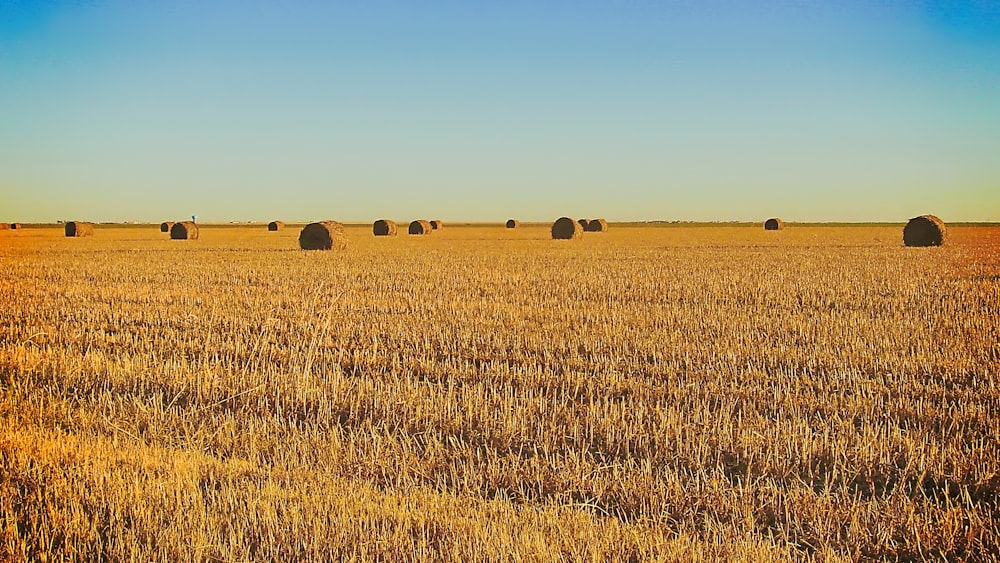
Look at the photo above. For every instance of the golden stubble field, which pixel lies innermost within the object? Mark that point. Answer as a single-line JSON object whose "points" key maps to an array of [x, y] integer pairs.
{"points": [[673, 393]]}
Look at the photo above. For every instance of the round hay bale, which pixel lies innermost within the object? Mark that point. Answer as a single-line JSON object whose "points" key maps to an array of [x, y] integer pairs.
{"points": [[384, 228], [583, 223], [513, 223], [184, 230], [275, 226], [420, 227], [774, 224], [15, 226], [79, 229], [165, 226], [323, 235], [596, 226], [4, 226], [436, 224], [566, 228], [926, 230]]}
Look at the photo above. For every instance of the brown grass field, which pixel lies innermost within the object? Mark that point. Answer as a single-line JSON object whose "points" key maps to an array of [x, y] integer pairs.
{"points": [[650, 393]]}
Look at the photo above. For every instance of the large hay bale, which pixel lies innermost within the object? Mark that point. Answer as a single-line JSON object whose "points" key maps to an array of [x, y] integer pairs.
{"points": [[513, 223], [165, 226], [420, 227], [926, 230], [275, 226], [566, 228], [774, 224], [79, 229], [15, 226], [323, 235], [184, 230], [583, 223], [436, 224], [596, 226], [384, 228]]}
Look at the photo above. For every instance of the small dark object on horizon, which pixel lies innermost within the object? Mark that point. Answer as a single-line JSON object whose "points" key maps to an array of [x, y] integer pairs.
{"points": [[323, 235], [565, 228], [926, 230]]}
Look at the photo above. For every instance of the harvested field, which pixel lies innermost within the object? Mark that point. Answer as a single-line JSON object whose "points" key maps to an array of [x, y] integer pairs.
{"points": [[711, 393]]}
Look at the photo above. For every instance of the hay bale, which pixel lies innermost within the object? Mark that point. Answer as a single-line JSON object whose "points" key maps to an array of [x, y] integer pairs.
{"points": [[323, 235], [275, 226], [566, 228], [184, 230], [420, 227], [384, 228], [15, 226], [436, 224], [79, 229], [774, 224], [166, 226], [926, 230], [4, 226], [596, 226], [513, 223], [583, 223]]}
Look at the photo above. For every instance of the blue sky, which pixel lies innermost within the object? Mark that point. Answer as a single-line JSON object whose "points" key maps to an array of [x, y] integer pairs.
{"points": [[631, 110]]}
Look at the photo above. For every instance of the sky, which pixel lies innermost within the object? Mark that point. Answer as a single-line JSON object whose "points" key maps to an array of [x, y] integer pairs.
{"points": [[687, 110]]}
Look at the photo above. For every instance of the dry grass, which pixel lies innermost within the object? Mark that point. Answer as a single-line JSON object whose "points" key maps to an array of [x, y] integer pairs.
{"points": [[715, 394]]}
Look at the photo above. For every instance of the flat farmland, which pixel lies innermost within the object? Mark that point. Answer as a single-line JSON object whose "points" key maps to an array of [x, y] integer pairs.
{"points": [[653, 392]]}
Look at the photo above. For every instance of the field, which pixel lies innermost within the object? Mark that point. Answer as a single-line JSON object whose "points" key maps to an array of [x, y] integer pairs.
{"points": [[654, 392]]}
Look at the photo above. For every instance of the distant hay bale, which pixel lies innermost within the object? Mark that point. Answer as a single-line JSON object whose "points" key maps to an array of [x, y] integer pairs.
{"points": [[513, 223], [436, 224], [4, 226], [774, 224], [420, 227], [15, 226], [323, 235], [184, 230], [384, 228], [165, 226], [926, 230], [583, 223], [275, 226], [596, 226], [566, 228], [79, 229]]}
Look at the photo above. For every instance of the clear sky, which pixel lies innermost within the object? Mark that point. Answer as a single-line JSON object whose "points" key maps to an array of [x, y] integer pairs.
{"points": [[151, 110]]}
